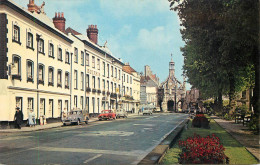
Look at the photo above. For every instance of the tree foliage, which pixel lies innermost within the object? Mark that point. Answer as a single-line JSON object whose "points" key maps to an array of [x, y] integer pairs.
{"points": [[221, 45]]}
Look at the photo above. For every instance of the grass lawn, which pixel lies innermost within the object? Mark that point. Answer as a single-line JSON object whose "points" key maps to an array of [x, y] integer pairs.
{"points": [[233, 149]]}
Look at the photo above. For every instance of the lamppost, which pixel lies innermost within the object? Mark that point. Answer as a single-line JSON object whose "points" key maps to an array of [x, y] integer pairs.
{"points": [[175, 98]]}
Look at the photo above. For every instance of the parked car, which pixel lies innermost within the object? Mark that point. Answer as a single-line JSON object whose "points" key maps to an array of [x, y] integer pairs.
{"points": [[147, 111], [107, 114], [121, 113], [76, 117]]}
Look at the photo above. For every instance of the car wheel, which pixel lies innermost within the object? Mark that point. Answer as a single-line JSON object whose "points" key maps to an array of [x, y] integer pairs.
{"points": [[64, 124], [99, 119], [86, 122]]}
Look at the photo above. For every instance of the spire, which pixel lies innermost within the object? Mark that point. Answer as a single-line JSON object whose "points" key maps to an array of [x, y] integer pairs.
{"points": [[171, 58]]}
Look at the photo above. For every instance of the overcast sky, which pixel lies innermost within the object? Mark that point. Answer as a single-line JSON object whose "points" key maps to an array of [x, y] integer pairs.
{"points": [[141, 32]]}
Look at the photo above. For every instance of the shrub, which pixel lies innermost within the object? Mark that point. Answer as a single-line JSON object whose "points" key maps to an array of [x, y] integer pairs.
{"points": [[200, 150], [200, 121]]}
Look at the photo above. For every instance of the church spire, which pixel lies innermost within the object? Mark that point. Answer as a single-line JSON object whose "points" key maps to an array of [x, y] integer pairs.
{"points": [[171, 68]]}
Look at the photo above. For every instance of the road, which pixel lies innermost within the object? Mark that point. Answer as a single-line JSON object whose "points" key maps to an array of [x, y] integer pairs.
{"points": [[123, 141]]}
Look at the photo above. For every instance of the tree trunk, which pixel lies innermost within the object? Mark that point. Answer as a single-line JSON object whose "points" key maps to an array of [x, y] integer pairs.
{"points": [[231, 92], [220, 101]]}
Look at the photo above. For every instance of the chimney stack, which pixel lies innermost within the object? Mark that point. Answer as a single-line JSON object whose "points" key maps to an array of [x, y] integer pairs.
{"points": [[92, 33], [59, 21], [31, 6]]}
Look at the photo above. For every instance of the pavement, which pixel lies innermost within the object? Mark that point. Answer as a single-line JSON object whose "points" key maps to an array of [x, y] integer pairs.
{"points": [[242, 134], [46, 126]]}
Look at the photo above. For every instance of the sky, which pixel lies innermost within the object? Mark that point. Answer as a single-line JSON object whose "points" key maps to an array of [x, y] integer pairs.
{"points": [[141, 32]]}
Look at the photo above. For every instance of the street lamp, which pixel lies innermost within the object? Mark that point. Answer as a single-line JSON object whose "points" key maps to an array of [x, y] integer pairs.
{"points": [[175, 98]]}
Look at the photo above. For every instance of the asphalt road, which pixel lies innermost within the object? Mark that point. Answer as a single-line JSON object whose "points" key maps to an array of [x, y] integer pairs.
{"points": [[123, 141]]}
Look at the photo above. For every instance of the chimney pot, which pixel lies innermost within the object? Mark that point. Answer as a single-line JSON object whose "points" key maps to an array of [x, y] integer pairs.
{"points": [[92, 33], [62, 15], [59, 14], [59, 21]]}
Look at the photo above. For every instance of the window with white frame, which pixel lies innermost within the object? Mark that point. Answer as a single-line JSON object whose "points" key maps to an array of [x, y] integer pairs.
{"points": [[67, 80], [107, 85], [127, 79], [119, 75], [107, 70], [82, 81], [93, 62], [41, 74], [98, 83], [76, 55], [51, 50], [67, 58], [104, 84], [41, 46], [16, 67], [93, 82], [29, 71], [51, 76], [81, 102], [131, 94], [16, 33], [87, 80], [30, 104], [112, 71], [29, 40], [75, 101], [87, 59], [98, 64], [59, 78], [60, 106], [82, 58], [19, 102], [131, 81], [104, 69], [60, 54], [116, 72], [75, 79], [112, 87]]}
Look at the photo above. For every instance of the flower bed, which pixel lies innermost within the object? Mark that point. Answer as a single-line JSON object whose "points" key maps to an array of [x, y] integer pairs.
{"points": [[200, 121], [200, 150]]}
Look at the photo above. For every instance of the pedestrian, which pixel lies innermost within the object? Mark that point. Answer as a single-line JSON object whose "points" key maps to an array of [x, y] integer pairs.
{"points": [[18, 118], [31, 118]]}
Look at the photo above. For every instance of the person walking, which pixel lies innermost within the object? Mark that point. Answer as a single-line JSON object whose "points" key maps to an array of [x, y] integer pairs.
{"points": [[31, 118], [18, 118]]}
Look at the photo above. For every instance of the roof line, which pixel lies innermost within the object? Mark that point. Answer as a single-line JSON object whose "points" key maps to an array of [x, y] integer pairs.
{"points": [[34, 19]]}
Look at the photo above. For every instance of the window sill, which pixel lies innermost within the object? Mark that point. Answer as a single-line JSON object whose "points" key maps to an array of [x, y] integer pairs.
{"points": [[67, 87], [28, 47], [18, 42], [60, 60], [17, 77], [50, 84], [30, 79], [41, 82], [51, 56], [59, 85], [67, 63], [42, 53]]}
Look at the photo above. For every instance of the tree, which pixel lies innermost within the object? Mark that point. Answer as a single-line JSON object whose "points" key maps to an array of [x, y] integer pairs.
{"points": [[221, 51]]}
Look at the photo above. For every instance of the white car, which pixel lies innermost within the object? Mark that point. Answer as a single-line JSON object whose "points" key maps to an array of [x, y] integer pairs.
{"points": [[147, 112], [121, 113]]}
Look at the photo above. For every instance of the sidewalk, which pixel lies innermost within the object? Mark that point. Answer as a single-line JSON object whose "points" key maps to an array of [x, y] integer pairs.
{"points": [[39, 127], [47, 126], [242, 135]]}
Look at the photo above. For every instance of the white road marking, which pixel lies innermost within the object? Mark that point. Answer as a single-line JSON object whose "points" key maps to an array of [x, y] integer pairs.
{"points": [[103, 133], [95, 157], [83, 150], [149, 125]]}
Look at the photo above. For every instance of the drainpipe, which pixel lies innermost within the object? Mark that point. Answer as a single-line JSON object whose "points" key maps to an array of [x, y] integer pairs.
{"points": [[71, 79], [37, 39], [84, 82]]}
